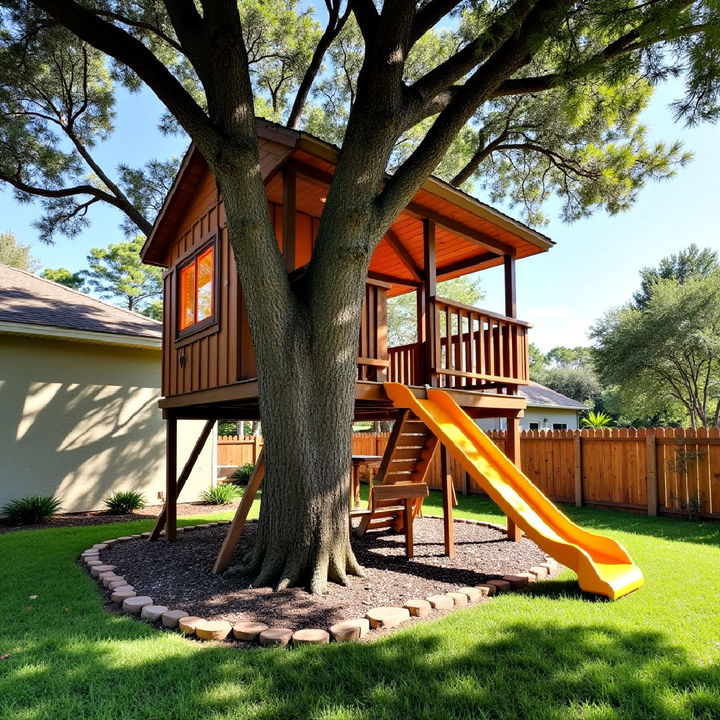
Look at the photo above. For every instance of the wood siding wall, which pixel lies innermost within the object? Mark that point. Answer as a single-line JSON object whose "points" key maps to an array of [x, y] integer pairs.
{"points": [[650, 470]]}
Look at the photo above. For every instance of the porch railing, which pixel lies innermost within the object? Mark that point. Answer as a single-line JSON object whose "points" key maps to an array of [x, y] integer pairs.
{"points": [[475, 349], [406, 364]]}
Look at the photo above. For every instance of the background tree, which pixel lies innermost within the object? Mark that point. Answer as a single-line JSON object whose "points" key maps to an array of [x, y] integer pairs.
{"points": [[15, 254], [73, 280], [691, 263], [570, 371], [117, 273], [516, 49], [402, 310], [669, 350]]}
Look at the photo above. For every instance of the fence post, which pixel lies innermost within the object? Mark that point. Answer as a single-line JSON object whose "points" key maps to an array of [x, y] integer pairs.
{"points": [[652, 488], [577, 442]]}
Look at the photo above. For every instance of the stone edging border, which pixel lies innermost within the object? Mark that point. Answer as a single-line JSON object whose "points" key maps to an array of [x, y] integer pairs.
{"points": [[125, 597]]}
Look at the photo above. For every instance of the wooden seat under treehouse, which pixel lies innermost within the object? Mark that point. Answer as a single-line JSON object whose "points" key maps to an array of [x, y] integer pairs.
{"points": [[208, 372]]}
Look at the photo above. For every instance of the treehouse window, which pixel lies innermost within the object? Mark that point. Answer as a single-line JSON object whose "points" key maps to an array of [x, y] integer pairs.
{"points": [[197, 291]]}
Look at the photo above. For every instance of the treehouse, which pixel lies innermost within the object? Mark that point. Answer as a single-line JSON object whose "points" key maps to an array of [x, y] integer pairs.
{"points": [[479, 356]]}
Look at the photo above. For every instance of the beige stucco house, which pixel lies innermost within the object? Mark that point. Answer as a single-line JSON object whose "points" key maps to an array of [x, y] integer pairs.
{"points": [[79, 385]]}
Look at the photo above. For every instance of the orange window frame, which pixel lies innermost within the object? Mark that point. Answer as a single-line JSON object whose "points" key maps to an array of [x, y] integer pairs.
{"points": [[191, 315]]}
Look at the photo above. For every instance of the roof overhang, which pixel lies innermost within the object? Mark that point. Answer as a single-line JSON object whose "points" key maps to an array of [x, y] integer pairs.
{"points": [[52, 332]]}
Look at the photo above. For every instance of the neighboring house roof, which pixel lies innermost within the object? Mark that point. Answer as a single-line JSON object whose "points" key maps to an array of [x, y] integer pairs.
{"points": [[540, 396], [31, 305]]}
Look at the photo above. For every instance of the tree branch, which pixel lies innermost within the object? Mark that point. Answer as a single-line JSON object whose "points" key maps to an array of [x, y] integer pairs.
{"points": [[334, 27], [125, 48], [430, 14], [140, 25], [366, 15]]}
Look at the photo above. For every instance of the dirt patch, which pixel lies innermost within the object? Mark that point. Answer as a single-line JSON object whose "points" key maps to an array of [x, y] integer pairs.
{"points": [[178, 575], [100, 517]]}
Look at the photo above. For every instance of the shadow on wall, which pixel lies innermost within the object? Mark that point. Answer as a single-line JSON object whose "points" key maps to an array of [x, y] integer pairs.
{"points": [[78, 441]]}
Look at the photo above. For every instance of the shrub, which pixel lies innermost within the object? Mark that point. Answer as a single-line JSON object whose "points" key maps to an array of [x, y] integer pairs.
{"points": [[124, 501], [31, 509], [221, 494], [241, 476], [227, 427]]}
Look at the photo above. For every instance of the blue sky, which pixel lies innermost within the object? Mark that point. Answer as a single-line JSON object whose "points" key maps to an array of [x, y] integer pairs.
{"points": [[594, 265]]}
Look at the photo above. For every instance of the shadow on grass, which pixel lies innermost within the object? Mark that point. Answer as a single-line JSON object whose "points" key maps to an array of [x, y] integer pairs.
{"points": [[516, 671]]}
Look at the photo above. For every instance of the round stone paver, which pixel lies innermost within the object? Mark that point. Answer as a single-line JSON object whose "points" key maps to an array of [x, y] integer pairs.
{"points": [[441, 602], [153, 612], [94, 563], [188, 624], [387, 617], [115, 584], [458, 598], [107, 578], [248, 631], [95, 570], [121, 594], [311, 636], [500, 585], [213, 629], [275, 637], [348, 630], [473, 594], [134, 605], [486, 590], [171, 618], [418, 607]]}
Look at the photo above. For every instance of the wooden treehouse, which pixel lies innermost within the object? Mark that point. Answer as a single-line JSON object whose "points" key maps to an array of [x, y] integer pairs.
{"points": [[479, 356]]}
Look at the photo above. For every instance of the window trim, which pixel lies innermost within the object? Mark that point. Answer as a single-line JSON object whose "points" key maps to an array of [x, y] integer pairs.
{"points": [[530, 425], [560, 428], [209, 324]]}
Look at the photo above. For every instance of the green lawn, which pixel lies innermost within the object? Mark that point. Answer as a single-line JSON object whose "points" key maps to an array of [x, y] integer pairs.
{"points": [[546, 653]]}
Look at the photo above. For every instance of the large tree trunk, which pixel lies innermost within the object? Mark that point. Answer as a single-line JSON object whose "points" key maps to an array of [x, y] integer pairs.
{"points": [[305, 338]]}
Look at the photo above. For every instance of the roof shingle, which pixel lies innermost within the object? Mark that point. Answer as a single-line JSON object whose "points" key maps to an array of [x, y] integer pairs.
{"points": [[27, 298]]}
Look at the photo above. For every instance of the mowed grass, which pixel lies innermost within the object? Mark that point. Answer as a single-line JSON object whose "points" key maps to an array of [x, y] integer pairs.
{"points": [[548, 653]]}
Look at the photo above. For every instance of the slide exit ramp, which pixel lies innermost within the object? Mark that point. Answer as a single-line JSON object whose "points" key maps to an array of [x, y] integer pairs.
{"points": [[601, 563]]}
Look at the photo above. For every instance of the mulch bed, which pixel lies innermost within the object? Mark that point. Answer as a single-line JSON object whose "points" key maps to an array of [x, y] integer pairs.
{"points": [[101, 517], [178, 575]]}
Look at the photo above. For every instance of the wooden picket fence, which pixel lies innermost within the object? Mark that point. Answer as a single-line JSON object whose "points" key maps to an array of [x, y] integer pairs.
{"points": [[650, 470]]}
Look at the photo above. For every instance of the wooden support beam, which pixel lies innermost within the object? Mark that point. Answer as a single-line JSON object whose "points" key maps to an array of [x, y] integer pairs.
{"points": [[238, 524], [448, 496], [288, 218], [171, 481], [458, 228], [403, 255], [510, 286], [185, 474], [467, 263], [392, 279], [429, 288], [512, 450]]}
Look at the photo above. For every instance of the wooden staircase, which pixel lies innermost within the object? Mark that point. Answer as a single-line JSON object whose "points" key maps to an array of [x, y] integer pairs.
{"points": [[408, 455]]}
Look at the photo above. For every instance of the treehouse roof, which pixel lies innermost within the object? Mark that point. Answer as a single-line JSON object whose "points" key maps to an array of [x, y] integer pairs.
{"points": [[470, 235]]}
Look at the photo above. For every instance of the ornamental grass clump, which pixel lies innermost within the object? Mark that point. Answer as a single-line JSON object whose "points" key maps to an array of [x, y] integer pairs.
{"points": [[242, 474], [123, 502], [31, 510], [221, 494]]}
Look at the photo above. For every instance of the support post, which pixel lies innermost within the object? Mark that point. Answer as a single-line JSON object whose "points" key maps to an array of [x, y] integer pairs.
{"points": [[171, 481], [288, 218], [652, 488], [238, 524], [577, 442], [429, 291], [185, 474], [512, 450], [510, 292], [447, 496]]}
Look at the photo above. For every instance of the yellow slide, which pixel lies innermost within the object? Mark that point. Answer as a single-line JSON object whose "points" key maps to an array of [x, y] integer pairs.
{"points": [[602, 564]]}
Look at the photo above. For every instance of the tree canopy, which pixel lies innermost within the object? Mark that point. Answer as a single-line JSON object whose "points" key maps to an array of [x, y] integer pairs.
{"points": [[63, 276], [117, 273], [665, 355], [15, 254]]}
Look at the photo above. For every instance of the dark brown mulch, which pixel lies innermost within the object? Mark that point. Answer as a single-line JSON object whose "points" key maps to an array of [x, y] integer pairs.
{"points": [[100, 517], [179, 575]]}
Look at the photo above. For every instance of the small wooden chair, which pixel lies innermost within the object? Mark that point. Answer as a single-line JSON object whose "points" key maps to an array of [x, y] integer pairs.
{"points": [[398, 501]]}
